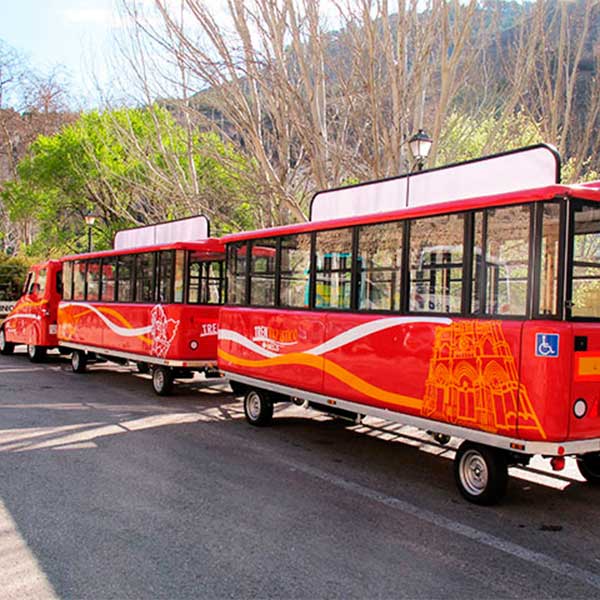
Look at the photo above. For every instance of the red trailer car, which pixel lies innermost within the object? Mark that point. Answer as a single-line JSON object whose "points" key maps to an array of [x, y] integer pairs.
{"points": [[155, 305], [476, 318]]}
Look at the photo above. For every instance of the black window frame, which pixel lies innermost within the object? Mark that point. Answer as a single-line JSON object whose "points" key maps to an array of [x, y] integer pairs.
{"points": [[533, 276], [406, 291], [570, 236], [310, 280], [276, 271]]}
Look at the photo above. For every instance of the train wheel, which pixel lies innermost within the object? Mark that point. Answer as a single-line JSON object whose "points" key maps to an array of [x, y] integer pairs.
{"points": [[258, 408], [78, 361], [589, 467], [481, 473], [36, 353], [162, 380], [5, 347]]}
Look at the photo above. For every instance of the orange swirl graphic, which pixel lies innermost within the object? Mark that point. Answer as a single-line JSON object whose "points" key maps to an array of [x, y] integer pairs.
{"points": [[27, 304], [331, 368], [112, 312]]}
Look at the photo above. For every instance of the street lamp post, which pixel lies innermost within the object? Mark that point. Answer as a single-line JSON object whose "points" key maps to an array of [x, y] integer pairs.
{"points": [[89, 221], [420, 145]]}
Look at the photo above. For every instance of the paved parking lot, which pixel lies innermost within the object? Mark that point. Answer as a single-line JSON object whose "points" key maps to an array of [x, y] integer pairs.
{"points": [[107, 491]]}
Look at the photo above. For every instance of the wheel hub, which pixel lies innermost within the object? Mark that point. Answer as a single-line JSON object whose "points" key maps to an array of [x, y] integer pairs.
{"points": [[160, 379], [254, 406], [474, 473]]}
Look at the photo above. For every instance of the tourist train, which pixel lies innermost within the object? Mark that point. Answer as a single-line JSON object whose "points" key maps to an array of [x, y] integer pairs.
{"points": [[463, 300]]}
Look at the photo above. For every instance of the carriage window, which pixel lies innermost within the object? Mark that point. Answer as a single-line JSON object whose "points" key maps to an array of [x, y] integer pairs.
{"points": [[507, 260], [67, 280], [164, 281], [333, 269], [144, 278], [236, 273], [79, 280], [380, 258], [41, 281], [477, 275], [586, 261], [109, 271], [214, 282], [262, 272], [93, 280], [295, 268], [27, 283], [549, 258], [194, 279], [436, 264], [205, 280], [179, 276], [125, 278]]}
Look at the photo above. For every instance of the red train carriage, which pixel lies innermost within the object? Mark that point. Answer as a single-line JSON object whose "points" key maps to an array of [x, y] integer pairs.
{"points": [[33, 319], [475, 318], [156, 305]]}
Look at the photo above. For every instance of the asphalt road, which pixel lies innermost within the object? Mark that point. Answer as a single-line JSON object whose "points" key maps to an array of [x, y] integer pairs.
{"points": [[107, 491]]}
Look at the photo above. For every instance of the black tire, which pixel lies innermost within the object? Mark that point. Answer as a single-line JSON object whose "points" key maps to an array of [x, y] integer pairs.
{"points": [[162, 380], [35, 353], [481, 473], [238, 389], [258, 408], [6, 348], [79, 361], [64, 351], [589, 467], [142, 367]]}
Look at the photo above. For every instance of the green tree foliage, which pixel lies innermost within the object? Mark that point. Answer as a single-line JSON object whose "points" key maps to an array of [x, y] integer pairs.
{"points": [[12, 275], [465, 137], [127, 167]]}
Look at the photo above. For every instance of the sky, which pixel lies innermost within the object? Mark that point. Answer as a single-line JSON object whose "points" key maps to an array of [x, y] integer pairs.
{"points": [[74, 34]]}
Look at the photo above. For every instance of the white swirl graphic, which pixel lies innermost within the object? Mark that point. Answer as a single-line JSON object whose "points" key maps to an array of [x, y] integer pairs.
{"points": [[352, 335], [122, 331]]}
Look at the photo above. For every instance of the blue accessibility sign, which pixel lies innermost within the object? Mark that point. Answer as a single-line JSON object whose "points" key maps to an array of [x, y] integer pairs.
{"points": [[546, 344]]}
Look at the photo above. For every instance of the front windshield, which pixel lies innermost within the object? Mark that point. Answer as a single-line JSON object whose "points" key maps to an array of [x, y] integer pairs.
{"points": [[585, 296]]}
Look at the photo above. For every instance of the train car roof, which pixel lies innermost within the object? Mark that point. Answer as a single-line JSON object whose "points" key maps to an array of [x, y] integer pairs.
{"points": [[209, 245], [589, 191]]}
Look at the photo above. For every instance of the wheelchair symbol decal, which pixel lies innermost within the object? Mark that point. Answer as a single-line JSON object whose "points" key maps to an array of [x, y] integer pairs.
{"points": [[546, 345]]}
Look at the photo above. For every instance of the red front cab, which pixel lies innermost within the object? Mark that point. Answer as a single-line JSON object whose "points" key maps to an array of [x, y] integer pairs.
{"points": [[33, 321]]}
